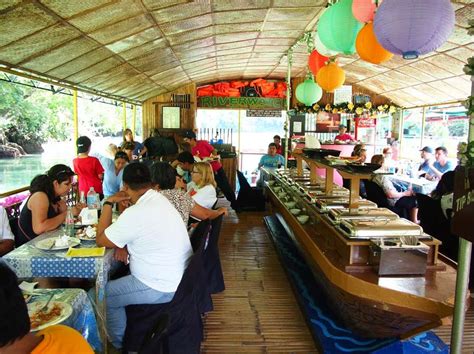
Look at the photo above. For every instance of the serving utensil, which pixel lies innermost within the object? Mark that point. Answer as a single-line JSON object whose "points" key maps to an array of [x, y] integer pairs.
{"points": [[45, 307]]}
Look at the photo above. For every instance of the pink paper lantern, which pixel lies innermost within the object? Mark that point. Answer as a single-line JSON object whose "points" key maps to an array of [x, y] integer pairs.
{"points": [[364, 10]]}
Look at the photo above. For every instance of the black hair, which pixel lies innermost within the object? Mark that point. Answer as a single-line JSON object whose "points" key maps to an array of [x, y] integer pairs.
{"points": [[121, 155], [272, 144], [186, 156], [164, 175], [129, 145], [83, 144], [137, 176], [443, 149], [44, 183], [14, 319], [444, 186], [276, 136]]}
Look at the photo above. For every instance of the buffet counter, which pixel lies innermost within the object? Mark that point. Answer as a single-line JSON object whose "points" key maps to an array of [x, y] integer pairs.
{"points": [[349, 270]]}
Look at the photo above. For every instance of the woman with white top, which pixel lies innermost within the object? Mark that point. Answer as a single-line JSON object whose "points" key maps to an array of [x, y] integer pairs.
{"points": [[202, 187]]}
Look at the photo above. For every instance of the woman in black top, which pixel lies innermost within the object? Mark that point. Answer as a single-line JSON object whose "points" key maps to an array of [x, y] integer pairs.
{"points": [[44, 209]]}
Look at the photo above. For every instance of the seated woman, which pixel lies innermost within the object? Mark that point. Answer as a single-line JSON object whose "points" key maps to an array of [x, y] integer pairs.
{"points": [[7, 240], [165, 180], [44, 209], [360, 152], [403, 200], [444, 192], [113, 171], [202, 187]]}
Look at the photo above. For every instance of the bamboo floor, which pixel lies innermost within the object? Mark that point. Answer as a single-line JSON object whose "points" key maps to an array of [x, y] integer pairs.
{"points": [[258, 313]]}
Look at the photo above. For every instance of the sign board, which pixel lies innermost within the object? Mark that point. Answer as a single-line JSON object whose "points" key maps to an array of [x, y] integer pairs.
{"points": [[263, 113], [463, 203], [343, 94], [171, 117], [242, 102]]}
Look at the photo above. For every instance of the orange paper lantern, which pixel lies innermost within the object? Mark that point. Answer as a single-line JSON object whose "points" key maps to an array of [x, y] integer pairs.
{"points": [[316, 61], [330, 77], [369, 48]]}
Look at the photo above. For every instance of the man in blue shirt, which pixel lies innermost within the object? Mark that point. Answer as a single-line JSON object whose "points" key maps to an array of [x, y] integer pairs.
{"points": [[427, 156], [271, 159], [441, 165]]}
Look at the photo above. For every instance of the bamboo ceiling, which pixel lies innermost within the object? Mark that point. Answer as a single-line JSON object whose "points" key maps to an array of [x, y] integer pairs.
{"points": [[135, 49]]}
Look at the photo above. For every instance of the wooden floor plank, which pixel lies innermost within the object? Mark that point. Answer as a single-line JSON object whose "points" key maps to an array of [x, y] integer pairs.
{"points": [[257, 313]]}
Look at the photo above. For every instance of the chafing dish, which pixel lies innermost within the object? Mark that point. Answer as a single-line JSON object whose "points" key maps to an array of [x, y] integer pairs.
{"points": [[379, 228], [325, 203], [338, 215]]}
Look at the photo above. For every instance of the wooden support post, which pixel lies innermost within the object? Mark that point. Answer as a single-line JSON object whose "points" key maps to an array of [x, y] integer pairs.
{"points": [[75, 115], [124, 115], [134, 118]]}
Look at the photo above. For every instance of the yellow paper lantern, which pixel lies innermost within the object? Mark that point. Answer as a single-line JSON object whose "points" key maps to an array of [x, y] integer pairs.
{"points": [[368, 48], [330, 77]]}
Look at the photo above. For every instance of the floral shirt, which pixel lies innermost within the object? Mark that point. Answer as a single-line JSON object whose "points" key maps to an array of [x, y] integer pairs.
{"points": [[182, 201]]}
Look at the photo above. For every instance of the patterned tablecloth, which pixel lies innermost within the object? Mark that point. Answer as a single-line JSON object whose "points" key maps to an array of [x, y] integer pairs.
{"points": [[27, 261], [82, 317], [419, 185]]}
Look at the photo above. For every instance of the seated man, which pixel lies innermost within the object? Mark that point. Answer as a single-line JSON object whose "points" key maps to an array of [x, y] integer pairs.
{"points": [[271, 159], [7, 240], [441, 165], [15, 335], [403, 200], [427, 156], [152, 232]]}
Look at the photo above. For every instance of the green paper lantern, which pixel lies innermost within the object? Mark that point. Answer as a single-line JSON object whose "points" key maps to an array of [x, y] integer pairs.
{"points": [[308, 92], [338, 28]]}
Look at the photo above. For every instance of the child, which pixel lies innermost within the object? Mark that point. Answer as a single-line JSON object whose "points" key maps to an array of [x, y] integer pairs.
{"points": [[88, 168]]}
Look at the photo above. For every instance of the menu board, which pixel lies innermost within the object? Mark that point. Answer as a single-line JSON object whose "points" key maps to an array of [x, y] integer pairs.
{"points": [[463, 203]]}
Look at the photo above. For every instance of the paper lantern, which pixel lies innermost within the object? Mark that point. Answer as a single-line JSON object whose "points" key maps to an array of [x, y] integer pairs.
{"points": [[338, 28], [316, 61], [308, 92], [364, 10], [368, 48], [412, 28], [321, 48], [330, 77]]}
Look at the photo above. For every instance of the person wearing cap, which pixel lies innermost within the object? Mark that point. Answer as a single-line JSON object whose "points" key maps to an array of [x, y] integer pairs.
{"points": [[203, 150], [44, 209], [441, 165], [88, 168], [427, 156], [343, 136]]}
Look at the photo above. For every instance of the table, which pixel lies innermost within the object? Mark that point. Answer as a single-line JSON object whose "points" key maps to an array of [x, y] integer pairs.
{"points": [[27, 261], [419, 185], [82, 318]]}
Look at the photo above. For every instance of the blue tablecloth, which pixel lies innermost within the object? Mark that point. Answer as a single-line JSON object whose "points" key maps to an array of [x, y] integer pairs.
{"points": [[82, 318]]}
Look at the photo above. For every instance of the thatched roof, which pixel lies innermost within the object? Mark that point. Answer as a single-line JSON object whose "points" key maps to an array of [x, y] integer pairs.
{"points": [[135, 49]]}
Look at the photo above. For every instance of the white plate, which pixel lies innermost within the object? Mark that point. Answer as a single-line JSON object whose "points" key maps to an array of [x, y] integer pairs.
{"points": [[65, 310], [48, 244]]}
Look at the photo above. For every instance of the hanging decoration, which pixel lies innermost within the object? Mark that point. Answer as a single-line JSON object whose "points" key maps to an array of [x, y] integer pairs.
{"points": [[412, 28], [308, 92], [368, 48], [338, 28], [321, 48], [364, 10], [330, 77], [358, 109], [316, 61]]}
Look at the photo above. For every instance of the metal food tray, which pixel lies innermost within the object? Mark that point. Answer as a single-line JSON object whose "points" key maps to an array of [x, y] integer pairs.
{"points": [[368, 229], [326, 203], [338, 215]]}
